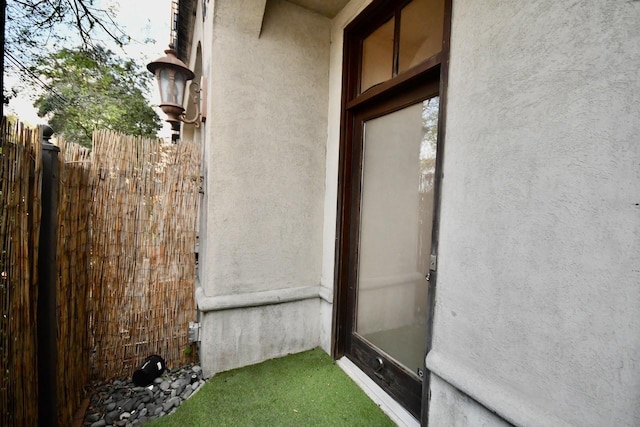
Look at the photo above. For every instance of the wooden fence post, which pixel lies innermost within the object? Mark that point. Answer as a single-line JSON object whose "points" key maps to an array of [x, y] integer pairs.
{"points": [[46, 308]]}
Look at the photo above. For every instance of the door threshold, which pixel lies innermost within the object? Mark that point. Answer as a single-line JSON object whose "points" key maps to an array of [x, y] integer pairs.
{"points": [[388, 404]]}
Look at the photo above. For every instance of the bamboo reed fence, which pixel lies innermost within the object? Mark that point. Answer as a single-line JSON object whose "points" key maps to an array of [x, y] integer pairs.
{"points": [[73, 282], [21, 169], [127, 215], [143, 226]]}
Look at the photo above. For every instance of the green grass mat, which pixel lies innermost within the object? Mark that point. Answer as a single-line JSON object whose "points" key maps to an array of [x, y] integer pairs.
{"points": [[305, 389]]}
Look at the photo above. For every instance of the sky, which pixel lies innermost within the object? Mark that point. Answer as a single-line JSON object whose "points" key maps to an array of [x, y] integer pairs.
{"points": [[140, 19]]}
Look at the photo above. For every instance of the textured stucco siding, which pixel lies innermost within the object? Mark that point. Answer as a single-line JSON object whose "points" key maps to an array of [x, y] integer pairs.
{"points": [[242, 337], [267, 64], [267, 136], [539, 263], [450, 408]]}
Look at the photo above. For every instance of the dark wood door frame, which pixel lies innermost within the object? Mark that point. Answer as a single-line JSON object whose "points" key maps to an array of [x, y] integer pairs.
{"points": [[386, 96], [408, 391]]}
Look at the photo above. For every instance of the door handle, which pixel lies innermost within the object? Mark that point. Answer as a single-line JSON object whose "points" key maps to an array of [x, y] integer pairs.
{"points": [[377, 370], [379, 364]]}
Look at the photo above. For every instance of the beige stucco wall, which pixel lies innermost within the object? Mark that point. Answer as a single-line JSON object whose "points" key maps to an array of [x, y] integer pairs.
{"points": [[538, 300], [267, 65], [267, 132]]}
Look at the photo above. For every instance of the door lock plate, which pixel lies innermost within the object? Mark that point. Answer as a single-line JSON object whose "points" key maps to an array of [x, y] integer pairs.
{"points": [[433, 262]]}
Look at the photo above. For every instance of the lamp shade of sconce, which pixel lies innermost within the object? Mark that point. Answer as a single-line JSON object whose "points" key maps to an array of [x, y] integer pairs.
{"points": [[172, 75]]}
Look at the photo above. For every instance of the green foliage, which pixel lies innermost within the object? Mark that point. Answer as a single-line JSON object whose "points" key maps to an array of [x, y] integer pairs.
{"points": [[34, 27], [187, 351], [94, 89]]}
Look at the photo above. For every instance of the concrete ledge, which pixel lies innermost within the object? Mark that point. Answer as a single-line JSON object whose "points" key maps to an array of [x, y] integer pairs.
{"points": [[257, 299], [505, 402], [244, 336], [449, 406], [326, 294]]}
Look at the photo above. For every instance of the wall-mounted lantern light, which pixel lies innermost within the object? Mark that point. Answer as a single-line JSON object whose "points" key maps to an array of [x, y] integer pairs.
{"points": [[172, 75]]}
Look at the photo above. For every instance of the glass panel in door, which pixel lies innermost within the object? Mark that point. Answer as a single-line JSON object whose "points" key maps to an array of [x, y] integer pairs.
{"points": [[395, 231]]}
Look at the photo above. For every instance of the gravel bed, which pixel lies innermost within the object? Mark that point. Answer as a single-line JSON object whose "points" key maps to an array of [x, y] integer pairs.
{"points": [[120, 403]]}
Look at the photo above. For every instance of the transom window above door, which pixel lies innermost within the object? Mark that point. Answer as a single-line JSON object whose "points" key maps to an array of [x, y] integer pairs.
{"points": [[407, 38]]}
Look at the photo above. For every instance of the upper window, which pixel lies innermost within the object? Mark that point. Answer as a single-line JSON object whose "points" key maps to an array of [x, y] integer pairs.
{"points": [[409, 37], [377, 56]]}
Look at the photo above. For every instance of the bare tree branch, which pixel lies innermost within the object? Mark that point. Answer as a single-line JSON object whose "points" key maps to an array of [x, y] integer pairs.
{"points": [[31, 21]]}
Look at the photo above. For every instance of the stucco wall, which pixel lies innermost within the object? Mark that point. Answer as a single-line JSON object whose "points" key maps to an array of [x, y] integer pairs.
{"points": [[267, 136], [268, 71], [241, 337], [538, 301], [450, 408]]}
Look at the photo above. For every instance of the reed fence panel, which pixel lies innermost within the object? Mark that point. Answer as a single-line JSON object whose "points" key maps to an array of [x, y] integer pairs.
{"points": [[127, 215], [20, 189], [143, 228], [73, 281]]}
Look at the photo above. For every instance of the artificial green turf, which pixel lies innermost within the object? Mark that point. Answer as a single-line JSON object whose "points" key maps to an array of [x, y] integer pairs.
{"points": [[304, 389]]}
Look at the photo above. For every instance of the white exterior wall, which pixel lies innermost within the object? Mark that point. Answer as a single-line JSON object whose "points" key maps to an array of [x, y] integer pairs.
{"points": [[267, 65], [538, 292]]}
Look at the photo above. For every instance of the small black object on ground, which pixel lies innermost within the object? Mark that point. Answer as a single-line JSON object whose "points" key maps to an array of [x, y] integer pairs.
{"points": [[151, 369]]}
